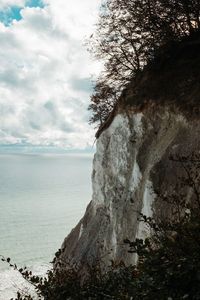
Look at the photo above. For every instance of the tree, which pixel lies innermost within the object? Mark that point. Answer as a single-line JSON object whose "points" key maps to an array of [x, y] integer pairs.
{"points": [[130, 33], [101, 109]]}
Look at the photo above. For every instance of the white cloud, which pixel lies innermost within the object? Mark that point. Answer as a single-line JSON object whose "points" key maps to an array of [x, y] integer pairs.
{"points": [[44, 74], [7, 3]]}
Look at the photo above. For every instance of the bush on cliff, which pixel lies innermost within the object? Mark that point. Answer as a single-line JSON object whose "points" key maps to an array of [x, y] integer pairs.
{"points": [[168, 262], [130, 35]]}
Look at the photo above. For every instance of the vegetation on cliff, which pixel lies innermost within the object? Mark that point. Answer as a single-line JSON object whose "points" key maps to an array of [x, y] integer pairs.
{"points": [[168, 261], [151, 50]]}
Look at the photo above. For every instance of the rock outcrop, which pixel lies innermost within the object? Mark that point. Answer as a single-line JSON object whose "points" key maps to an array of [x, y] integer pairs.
{"points": [[130, 164]]}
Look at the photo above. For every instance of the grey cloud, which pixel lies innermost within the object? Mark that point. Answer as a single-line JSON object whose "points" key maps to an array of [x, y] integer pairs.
{"points": [[58, 117], [36, 22], [6, 109], [41, 101], [82, 84], [49, 106], [15, 132], [8, 40], [10, 78], [34, 125], [66, 127]]}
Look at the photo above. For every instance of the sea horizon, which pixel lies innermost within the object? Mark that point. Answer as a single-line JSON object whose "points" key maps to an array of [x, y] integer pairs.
{"points": [[42, 198]]}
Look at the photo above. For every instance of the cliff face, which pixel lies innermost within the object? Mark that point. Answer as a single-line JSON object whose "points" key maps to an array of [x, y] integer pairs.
{"points": [[130, 164]]}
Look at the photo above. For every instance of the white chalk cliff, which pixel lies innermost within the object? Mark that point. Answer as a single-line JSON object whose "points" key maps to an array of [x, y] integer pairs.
{"points": [[130, 164]]}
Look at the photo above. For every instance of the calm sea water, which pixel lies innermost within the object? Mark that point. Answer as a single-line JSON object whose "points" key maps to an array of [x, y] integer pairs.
{"points": [[42, 197]]}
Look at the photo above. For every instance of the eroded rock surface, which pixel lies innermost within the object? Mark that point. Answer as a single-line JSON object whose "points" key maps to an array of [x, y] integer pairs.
{"points": [[131, 162]]}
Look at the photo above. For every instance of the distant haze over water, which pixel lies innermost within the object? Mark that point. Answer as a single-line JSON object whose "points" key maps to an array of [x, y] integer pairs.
{"points": [[42, 197]]}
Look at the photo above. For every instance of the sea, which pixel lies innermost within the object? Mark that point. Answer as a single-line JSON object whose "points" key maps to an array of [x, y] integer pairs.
{"points": [[42, 197]]}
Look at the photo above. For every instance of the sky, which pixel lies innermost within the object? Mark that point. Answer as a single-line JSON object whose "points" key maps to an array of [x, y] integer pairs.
{"points": [[46, 72]]}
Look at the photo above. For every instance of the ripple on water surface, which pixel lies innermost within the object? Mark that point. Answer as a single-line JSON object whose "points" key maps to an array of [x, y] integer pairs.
{"points": [[42, 197]]}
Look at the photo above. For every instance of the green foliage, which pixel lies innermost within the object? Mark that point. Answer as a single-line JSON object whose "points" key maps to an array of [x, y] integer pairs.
{"points": [[168, 261], [101, 109], [129, 36]]}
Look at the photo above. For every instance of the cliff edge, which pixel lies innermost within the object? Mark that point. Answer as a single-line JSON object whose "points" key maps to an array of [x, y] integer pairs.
{"points": [[130, 164]]}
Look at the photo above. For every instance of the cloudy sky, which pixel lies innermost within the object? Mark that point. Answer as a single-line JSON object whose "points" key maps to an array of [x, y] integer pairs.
{"points": [[45, 72]]}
